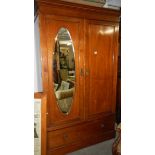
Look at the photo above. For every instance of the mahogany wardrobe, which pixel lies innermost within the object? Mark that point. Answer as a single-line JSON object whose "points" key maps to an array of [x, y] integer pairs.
{"points": [[79, 54]]}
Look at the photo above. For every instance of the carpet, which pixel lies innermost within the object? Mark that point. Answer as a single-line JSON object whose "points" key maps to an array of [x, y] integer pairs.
{"points": [[104, 148]]}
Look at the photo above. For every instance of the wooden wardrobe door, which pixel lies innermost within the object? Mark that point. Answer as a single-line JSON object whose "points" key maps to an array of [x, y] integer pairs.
{"points": [[101, 65], [75, 28]]}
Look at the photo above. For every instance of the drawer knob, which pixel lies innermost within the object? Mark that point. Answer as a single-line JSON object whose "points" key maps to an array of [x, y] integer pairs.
{"points": [[65, 136], [102, 125]]}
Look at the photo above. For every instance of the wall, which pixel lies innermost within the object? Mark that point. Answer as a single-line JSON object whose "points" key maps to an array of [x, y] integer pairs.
{"points": [[37, 59]]}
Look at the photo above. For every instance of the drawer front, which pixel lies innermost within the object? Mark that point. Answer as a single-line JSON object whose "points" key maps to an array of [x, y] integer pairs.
{"points": [[83, 132], [97, 128], [62, 137]]}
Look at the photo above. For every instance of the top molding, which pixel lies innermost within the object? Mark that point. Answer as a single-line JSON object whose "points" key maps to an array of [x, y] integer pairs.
{"points": [[59, 7]]}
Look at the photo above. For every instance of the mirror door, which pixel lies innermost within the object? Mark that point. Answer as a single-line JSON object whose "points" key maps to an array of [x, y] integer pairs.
{"points": [[64, 77], [65, 59]]}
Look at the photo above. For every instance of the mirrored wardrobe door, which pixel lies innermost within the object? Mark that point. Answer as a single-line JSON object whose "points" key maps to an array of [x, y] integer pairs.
{"points": [[65, 59], [63, 69]]}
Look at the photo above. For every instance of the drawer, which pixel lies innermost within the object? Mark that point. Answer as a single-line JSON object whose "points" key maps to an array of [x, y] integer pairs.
{"points": [[62, 137], [83, 132], [97, 128]]}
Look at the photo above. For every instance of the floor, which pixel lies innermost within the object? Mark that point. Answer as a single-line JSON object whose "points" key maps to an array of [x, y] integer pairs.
{"points": [[104, 148]]}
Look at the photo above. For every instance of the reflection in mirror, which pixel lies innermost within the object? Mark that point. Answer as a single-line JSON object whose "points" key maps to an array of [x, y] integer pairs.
{"points": [[64, 70]]}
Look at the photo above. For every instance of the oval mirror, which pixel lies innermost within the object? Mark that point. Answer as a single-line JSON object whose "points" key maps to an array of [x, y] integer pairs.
{"points": [[64, 70]]}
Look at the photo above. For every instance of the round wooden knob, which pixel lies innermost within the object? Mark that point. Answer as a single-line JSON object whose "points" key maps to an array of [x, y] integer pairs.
{"points": [[65, 136], [102, 125]]}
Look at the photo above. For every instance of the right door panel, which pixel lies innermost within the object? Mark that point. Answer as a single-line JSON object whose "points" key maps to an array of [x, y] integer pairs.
{"points": [[100, 46]]}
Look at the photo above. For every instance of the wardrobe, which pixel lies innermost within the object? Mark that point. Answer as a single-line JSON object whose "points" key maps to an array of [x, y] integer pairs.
{"points": [[79, 54]]}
